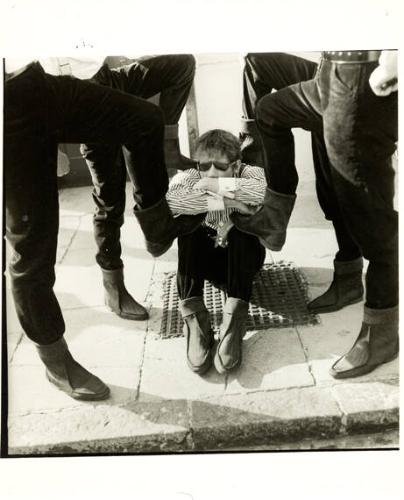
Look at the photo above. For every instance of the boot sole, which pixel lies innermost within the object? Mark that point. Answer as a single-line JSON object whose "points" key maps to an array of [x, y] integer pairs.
{"points": [[202, 369], [81, 397], [327, 309], [220, 367], [133, 317], [360, 370]]}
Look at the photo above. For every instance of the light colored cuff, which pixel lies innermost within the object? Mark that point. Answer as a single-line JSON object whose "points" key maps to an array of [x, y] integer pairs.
{"points": [[215, 204], [227, 184]]}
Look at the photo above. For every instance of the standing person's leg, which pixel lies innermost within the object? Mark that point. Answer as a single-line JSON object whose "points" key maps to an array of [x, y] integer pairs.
{"points": [[196, 254], [32, 220], [171, 76], [263, 73], [360, 132], [294, 106], [245, 257], [137, 125], [346, 287], [109, 181]]}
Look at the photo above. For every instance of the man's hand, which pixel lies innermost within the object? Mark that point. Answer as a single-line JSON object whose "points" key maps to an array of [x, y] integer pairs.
{"points": [[208, 184], [240, 206], [384, 80]]}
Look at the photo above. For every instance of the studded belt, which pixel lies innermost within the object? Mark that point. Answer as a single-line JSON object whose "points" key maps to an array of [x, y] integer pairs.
{"points": [[352, 56]]}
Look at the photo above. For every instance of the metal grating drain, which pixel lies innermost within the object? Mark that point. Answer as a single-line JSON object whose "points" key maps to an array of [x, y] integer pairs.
{"points": [[279, 299]]}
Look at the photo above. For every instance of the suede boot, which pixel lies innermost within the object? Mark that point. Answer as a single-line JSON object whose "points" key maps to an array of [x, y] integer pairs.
{"points": [[269, 224], [172, 154], [346, 288], [68, 375], [377, 343], [161, 228], [199, 334], [232, 330], [250, 143], [118, 299]]}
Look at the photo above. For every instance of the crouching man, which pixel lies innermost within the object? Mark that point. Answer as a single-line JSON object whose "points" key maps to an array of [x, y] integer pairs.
{"points": [[216, 251]]}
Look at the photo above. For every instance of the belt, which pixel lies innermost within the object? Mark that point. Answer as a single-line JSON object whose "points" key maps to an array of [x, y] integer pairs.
{"points": [[352, 56]]}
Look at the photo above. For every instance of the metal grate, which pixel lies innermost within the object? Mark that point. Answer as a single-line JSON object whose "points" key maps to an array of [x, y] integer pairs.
{"points": [[279, 299]]}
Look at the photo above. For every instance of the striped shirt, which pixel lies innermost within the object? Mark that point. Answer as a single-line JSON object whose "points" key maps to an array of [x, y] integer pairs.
{"points": [[182, 198]]}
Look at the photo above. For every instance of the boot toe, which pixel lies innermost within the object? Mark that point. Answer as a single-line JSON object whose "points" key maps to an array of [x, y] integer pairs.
{"points": [[93, 390]]}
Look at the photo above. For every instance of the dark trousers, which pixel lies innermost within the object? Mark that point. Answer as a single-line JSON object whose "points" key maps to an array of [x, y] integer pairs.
{"points": [[232, 268], [41, 110], [170, 76], [360, 131], [263, 73]]}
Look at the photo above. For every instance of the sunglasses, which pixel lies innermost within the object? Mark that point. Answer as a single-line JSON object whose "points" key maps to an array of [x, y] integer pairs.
{"points": [[204, 167]]}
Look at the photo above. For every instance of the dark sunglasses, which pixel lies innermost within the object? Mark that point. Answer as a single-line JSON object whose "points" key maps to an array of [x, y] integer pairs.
{"points": [[204, 167]]}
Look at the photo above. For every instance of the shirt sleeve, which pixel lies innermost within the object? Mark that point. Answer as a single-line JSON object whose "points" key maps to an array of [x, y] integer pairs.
{"points": [[182, 198], [250, 187]]}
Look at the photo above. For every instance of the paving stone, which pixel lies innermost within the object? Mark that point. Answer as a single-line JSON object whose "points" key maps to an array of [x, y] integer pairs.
{"points": [[31, 392], [148, 427], [78, 281], [272, 359], [299, 248], [369, 405], [77, 201], [264, 418], [166, 374]]}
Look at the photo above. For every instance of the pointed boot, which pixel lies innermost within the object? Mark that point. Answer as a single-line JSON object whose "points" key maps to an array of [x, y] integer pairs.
{"points": [[172, 154], [160, 228], [69, 376], [198, 333], [346, 288], [232, 330], [250, 143], [270, 222], [118, 299], [377, 343]]}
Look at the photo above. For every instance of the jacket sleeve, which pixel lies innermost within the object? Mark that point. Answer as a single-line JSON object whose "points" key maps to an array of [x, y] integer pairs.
{"points": [[251, 185], [182, 198]]}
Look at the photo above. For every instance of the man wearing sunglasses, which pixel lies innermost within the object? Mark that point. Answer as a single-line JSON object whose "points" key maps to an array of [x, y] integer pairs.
{"points": [[216, 251]]}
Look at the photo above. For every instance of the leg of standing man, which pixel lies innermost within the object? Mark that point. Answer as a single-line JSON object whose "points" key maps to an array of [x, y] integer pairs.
{"points": [[263, 73], [360, 130], [66, 109], [170, 76]]}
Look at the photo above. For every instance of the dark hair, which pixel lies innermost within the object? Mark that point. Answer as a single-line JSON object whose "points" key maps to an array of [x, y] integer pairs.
{"points": [[219, 141]]}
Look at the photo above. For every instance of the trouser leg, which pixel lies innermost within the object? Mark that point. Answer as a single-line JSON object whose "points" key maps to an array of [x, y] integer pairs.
{"points": [[245, 257], [348, 249], [360, 132], [171, 76], [31, 200], [263, 73], [197, 260]]}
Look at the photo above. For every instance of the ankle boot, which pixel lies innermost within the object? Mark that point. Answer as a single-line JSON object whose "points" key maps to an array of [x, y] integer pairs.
{"points": [[377, 343], [118, 299], [250, 143], [346, 288], [199, 334], [161, 228], [269, 224], [172, 154], [232, 331], [68, 375]]}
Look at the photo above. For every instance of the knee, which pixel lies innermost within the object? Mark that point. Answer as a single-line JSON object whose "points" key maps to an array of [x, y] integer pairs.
{"points": [[266, 110], [186, 65]]}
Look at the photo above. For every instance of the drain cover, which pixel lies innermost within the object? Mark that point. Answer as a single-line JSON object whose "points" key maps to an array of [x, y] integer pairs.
{"points": [[279, 299]]}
